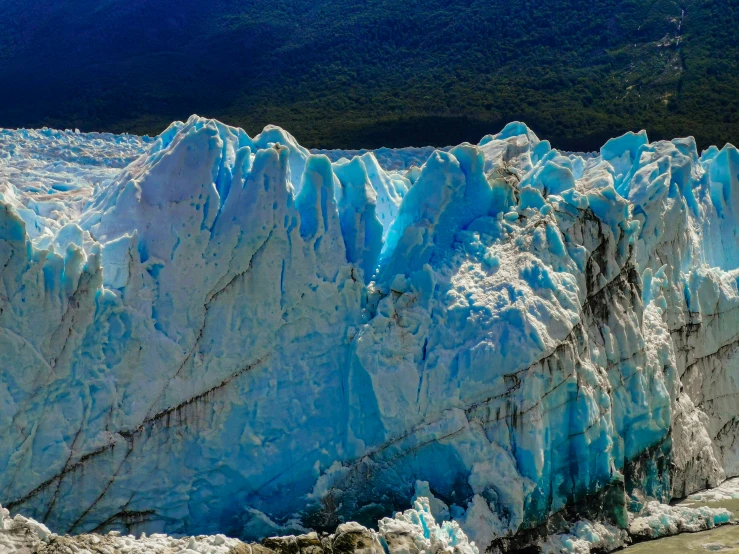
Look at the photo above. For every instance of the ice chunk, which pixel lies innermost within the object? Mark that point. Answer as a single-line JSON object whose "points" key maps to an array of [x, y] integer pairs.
{"points": [[622, 152], [360, 226], [660, 520]]}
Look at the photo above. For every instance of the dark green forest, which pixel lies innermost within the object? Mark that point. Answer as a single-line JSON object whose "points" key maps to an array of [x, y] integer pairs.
{"points": [[347, 74]]}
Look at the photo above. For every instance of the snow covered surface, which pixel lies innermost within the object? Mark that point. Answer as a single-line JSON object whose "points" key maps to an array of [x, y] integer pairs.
{"points": [[233, 335]]}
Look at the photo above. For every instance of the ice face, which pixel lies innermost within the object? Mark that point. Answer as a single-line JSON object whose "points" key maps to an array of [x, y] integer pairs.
{"points": [[212, 333]]}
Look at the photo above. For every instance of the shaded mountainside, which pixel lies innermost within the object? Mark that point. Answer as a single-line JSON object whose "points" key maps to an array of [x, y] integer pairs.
{"points": [[349, 74]]}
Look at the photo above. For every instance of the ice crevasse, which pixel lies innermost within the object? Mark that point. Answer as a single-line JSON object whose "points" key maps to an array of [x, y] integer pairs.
{"points": [[212, 333]]}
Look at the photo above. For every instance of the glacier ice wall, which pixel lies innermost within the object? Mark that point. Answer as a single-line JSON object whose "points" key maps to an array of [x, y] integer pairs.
{"points": [[214, 333]]}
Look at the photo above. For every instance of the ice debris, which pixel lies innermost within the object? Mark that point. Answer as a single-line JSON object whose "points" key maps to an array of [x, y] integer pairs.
{"points": [[414, 531], [654, 521], [586, 537], [660, 520]]}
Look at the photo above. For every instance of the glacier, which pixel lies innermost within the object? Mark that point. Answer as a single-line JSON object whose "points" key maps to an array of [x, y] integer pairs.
{"points": [[212, 333]]}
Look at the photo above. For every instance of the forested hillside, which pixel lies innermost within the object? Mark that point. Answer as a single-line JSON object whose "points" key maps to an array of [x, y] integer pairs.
{"points": [[377, 72]]}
